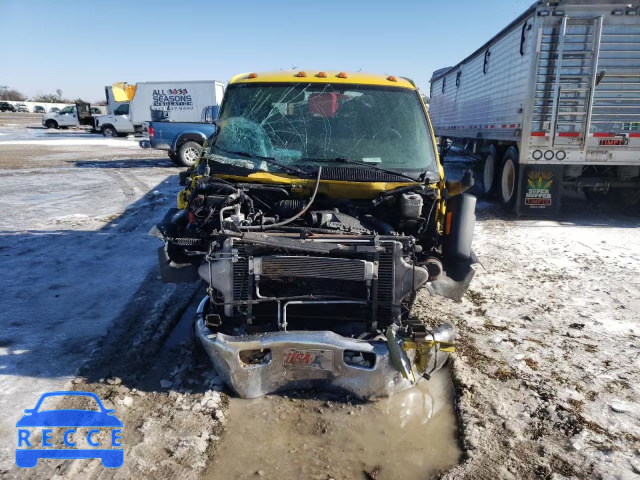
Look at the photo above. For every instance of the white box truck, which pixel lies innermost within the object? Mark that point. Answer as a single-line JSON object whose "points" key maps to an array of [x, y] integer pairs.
{"points": [[551, 102], [177, 101]]}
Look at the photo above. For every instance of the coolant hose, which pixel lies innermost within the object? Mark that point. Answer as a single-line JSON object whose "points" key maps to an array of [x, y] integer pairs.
{"points": [[290, 219]]}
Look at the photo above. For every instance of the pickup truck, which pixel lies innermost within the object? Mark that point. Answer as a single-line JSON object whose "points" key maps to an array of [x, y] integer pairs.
{"points": [[182, 140], [70, 116]]}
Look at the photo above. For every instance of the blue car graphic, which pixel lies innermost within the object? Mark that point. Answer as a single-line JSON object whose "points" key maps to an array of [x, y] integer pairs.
{"points": [[111, 458]]}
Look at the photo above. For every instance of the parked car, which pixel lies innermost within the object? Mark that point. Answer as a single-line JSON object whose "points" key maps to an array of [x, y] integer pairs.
{"points": [[7, 107], [21, 107], [96, 111], [39, 109], [54, 110]]}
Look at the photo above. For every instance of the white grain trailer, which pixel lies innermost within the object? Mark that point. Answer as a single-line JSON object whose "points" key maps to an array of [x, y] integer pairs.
{"points": [[551, 101]]}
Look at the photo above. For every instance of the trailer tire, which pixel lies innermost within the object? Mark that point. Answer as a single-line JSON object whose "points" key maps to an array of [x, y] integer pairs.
{"points": [[188, 153], [489, 171], [51, 124], [508, 184], [109, 131]]}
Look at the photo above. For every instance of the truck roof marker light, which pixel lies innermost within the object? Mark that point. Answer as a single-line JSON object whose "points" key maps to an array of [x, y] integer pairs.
{"points": [[322, 75], [543, 13], [253, 75], [342, 75], [617, 11], [632, 12], [301, 74], [391, 78]]}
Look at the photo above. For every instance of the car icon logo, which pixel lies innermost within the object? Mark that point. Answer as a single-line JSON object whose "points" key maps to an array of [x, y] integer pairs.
{"points": [[71, 419]]}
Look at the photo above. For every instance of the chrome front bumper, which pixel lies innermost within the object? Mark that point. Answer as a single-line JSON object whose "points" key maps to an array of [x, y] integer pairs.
{"points": [[254, 380]]}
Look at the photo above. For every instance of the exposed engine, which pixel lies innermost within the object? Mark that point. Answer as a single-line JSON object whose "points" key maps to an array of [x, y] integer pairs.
{"points": [[287, 257]]}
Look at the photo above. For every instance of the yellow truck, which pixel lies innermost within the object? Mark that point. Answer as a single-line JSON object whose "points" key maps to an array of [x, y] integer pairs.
{"points": [[315, 213]]}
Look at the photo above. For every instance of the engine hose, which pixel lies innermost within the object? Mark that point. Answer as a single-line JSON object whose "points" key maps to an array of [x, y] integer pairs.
{"points": [[291, 219]]}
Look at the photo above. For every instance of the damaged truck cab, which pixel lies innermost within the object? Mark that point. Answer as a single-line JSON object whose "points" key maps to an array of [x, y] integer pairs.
{"points": [[316, 212]]}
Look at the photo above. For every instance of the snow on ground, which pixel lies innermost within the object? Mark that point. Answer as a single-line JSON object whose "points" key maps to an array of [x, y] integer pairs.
{"points": [[548, 366], [35, 135], [74, 249]]}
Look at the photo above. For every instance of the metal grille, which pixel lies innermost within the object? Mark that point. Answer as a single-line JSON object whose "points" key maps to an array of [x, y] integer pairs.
{"points": [[359, 175], [386, 273], [241, 273], [314, 267]]}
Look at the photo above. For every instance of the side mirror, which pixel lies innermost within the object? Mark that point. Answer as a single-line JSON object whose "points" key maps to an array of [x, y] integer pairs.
{"points": [[29, 410]]}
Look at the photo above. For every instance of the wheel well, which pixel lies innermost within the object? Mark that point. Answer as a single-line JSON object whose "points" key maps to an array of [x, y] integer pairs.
{"points": [[189, 137], [105, 125]]}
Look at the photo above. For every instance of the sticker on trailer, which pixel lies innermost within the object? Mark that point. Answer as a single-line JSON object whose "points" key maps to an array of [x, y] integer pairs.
{"points": [[309, 359], [613, 142], [538, 194], [540, 189]]}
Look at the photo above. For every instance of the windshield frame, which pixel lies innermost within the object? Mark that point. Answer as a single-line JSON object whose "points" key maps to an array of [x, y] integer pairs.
{"points": [[434, 168]]}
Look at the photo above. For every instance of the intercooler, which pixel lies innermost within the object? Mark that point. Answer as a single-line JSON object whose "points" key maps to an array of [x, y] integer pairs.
{"points": [[329, 268], [377, 272]]}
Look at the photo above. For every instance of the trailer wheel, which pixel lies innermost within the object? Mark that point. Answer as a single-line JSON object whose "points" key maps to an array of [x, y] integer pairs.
{"points": [[51, 124], [188, 153], [509, 177], [489, 171], [109, 131]]}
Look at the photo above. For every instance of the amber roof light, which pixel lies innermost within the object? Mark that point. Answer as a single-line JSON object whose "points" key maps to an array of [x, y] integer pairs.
{"points": [[301, 74], [342, 75], [253, 75], [391, 78], [321, 75]]}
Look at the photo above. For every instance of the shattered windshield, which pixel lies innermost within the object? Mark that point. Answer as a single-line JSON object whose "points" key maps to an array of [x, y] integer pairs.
{"points": [[314, 123]]}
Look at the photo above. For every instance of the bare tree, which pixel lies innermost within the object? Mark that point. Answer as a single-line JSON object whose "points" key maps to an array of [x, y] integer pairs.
{"points": [[12, 94]]}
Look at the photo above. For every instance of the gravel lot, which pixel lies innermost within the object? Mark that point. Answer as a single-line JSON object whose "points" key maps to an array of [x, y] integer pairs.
{"points": [[546, 376]]}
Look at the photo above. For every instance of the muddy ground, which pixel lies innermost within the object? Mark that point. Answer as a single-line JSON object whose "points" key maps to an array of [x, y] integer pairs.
{"points": [[546, 374]]}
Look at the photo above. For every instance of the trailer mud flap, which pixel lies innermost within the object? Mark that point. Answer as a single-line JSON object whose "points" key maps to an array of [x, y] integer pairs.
{"points": [[540, 190]]}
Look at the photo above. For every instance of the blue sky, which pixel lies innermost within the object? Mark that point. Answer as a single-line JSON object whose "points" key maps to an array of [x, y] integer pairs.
{"points": [[81, 46]]}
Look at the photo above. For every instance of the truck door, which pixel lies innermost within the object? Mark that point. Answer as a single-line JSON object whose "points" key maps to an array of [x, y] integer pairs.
{"points": [[123, 119], [67, 117]]}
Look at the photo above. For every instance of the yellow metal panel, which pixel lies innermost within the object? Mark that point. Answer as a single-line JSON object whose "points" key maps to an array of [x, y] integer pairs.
{"points": [[289, 76], [122, 92], [331, 188]]}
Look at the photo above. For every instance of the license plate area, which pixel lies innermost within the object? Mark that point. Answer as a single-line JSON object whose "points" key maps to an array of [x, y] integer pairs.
{"points": [[309, 359]]}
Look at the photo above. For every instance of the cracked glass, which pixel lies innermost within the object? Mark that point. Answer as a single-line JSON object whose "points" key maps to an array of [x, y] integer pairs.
{"points": [[317, 123]]}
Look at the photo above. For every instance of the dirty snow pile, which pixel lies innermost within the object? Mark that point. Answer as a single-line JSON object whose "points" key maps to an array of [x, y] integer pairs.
{"points": [[548, 366]]}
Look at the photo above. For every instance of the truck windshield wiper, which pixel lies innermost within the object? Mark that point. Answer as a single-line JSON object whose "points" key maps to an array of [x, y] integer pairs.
{"points": [[269, 160], [363, 164]]}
